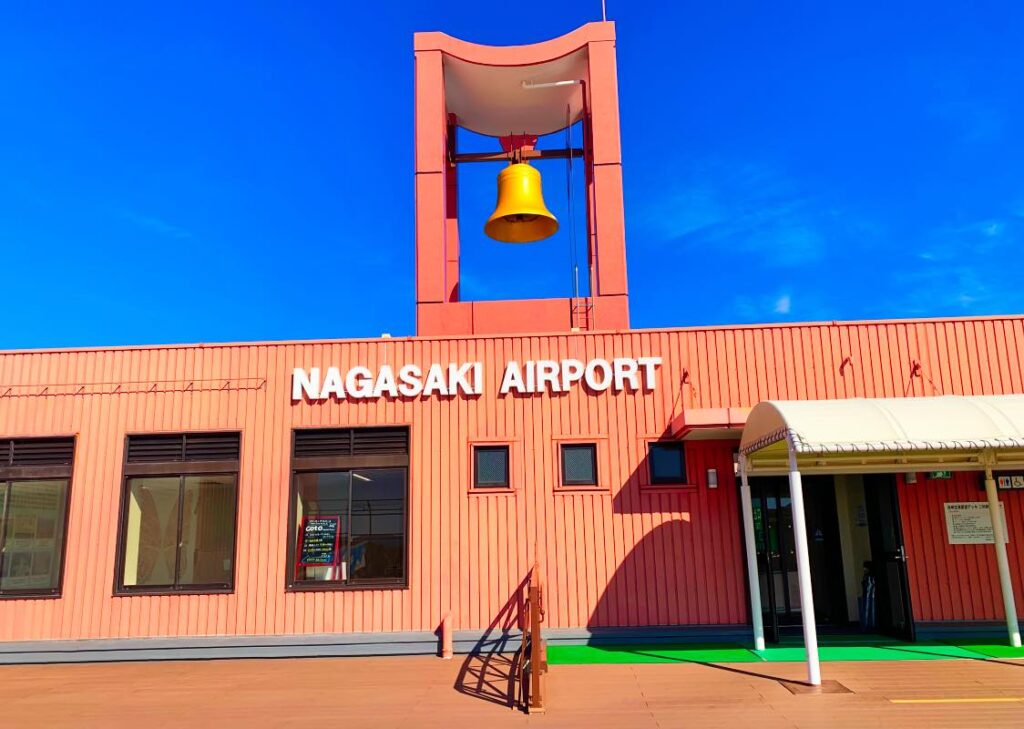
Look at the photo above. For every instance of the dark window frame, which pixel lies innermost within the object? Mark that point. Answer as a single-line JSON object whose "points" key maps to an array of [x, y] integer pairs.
{"points": [[10, 474], [568, 483], [491, 487], [181, 469], [322, 464], [662, 482]]}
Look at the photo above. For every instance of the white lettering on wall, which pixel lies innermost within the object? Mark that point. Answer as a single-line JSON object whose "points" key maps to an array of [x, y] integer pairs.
{"points": [[457, 378], [467, 378], [385, 382], [648, 364], [572, 372], [435, 383], [332, 385], [359, 382], [306, 384], [410, 383], [590, 375], [513, 379]]}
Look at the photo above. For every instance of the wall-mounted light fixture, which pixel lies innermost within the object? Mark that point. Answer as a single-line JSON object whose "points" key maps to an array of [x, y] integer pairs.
{"points": [[712, 478], [736, 462], [910, 478]]}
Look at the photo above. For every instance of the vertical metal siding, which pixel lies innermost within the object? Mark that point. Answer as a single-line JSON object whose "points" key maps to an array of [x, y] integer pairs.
{"points": [[621, 557], [956, 582]]}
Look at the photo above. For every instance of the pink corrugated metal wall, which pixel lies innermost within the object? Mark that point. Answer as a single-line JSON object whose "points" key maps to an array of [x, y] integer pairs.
{"points": [[624, 557], [956, 582]]}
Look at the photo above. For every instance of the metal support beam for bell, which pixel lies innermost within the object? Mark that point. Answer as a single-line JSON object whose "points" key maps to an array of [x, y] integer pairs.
{"points": [[526, 154]]}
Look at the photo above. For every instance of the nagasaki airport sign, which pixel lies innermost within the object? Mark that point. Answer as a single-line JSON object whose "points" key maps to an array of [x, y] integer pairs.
{"points": [[467, 378]]}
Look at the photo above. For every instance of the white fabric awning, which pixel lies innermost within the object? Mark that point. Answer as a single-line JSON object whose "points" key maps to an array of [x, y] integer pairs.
{"points": [[886, 434]]}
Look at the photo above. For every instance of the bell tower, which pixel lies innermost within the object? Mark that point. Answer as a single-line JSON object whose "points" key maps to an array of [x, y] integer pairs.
{"points": [[534, 90]]}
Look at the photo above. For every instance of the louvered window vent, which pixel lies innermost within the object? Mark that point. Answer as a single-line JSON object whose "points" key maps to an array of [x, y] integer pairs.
{"points": [[351, 442], [163, 448], [37, 451]]}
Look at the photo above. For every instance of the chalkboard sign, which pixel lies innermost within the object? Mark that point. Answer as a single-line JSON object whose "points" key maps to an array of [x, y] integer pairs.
{"points": [[319, 545]]}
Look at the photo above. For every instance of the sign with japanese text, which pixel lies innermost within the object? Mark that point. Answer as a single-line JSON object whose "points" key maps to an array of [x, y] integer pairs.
{"points": [[319, 541], [967, 522]]}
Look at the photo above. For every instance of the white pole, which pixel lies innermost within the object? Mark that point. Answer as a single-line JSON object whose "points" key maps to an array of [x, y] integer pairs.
{"points": [[803, 568], [999, 539], [751, 548]]}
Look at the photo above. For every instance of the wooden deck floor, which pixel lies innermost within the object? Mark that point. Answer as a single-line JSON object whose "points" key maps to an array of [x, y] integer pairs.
{"points": [[429, 692]]}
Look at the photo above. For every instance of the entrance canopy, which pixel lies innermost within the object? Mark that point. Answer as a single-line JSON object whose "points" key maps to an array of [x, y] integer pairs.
{"points": [[886, 435], [880, 435]]}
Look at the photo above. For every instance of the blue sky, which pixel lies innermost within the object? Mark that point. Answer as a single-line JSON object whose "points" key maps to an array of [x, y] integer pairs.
{"points": [[184, 172]]}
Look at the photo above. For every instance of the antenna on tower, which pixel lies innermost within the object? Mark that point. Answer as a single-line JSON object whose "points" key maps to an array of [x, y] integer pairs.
{"points": [[604, 15]]}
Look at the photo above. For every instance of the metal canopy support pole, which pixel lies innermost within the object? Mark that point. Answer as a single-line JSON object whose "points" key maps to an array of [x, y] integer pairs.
{"points": [[803, 567], [999, 542], [748, 537]]}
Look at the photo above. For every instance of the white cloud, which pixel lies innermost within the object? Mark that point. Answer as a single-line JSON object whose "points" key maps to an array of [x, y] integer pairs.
{"points": [[993, 228], [778, 307], [156, 225], [744, 207]]}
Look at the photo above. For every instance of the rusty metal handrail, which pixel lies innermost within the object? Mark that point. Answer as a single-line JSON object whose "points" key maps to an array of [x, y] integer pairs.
{"points": [[533, 651]]}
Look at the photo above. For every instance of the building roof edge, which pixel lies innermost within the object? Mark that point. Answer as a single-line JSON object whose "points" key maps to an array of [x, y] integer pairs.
{"points": [[603, 332]]}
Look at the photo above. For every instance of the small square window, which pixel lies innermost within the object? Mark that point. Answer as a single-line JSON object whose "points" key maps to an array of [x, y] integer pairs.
{"points": [[667, 462], [579, 464], [490, 467]]}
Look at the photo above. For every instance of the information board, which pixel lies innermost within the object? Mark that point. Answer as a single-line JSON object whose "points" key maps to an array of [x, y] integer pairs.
{"points": [[967, 522], [319, 545]]}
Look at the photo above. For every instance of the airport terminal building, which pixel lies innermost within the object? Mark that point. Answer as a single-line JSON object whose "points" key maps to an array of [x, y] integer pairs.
{"points": [[354, 496]]}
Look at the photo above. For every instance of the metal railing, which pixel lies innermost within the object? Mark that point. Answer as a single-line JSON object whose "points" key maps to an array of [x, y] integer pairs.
{"points": [[533, 658]]}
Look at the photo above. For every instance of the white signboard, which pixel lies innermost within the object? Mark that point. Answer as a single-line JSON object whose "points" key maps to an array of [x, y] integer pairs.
{"points": [[967, 522], [468, 378]]}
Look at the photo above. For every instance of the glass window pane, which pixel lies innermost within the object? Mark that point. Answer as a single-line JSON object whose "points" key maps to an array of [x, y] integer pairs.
{"points": [[378, 524], [321, 495], [151, 531], [579, 464], [491, 466], [667, 464], [207, 530], [34, 535]]}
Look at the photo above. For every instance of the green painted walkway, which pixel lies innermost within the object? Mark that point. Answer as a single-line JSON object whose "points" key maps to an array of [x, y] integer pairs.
{"points": [[830, 648]]}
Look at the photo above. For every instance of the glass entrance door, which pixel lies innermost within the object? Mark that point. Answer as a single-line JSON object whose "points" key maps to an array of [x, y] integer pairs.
{"points": [[776, 553], [888, 566]]}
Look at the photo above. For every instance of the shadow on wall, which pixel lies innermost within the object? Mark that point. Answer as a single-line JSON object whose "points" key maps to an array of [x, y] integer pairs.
{"points": [[650, 556], [686, 564], [490, 671]]}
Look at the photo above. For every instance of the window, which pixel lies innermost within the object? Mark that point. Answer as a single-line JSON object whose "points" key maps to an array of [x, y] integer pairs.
{"points": [[490, 467], [178, 513], [35, 474], [667, 462], [579, 464], [349, 505]]}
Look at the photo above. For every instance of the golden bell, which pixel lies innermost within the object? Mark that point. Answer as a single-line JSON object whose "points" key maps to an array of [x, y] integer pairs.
{"points": [[520, 215]]}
